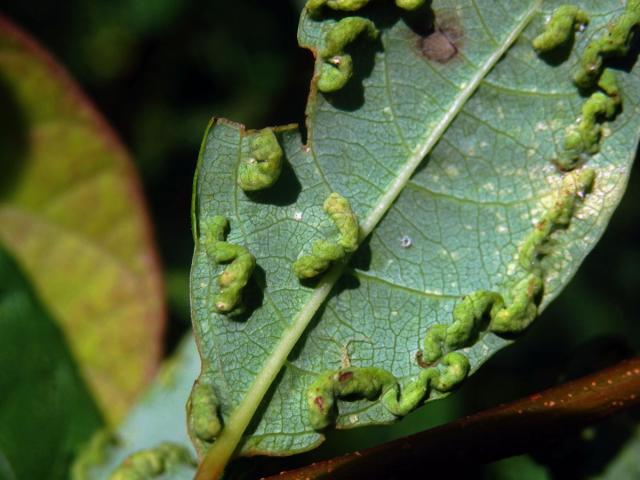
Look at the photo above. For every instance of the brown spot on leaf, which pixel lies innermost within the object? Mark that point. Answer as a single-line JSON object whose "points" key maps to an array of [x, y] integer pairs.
{"points": [[542, 225], [420, 360], [442, 43], [438, 47], [319, 401], [345, 376]]}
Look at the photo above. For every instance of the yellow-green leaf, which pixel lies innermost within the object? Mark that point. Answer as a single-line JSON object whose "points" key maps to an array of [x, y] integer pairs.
{"points": [[72, 214]]}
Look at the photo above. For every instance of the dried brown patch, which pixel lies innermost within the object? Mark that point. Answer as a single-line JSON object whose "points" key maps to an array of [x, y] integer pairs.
{"points": [[443, 43], [420, 360], [542, 224], [438, 47]]}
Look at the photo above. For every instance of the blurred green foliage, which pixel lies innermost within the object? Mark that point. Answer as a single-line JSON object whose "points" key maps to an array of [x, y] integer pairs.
{"points": [[44, 403], [158, 69]]}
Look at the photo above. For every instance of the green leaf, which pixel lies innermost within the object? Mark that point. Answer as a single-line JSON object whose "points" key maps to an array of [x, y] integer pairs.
{"points": [[453, 155], [625, 465], [159, 417], [46, 410], [72, 215], [520, 467]]}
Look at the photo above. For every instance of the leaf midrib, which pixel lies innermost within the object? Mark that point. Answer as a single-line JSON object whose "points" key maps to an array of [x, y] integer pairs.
{"points": [[225, 445]]}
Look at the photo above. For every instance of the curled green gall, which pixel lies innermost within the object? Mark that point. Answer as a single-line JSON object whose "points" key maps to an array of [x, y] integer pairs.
{"points": [[410, 4], [361, 382], [575, 186], [240, 266], [373, 383], [339, 210], [484, 311], [93, 454], [457, 368], [523, 308], [204, 422], [401, 401], [335, 72], [615, 43], [608, 83], [153, 462], [323, 252], [337, 66], [470, 316], [262, 167], [433, 342], [563, 22], [315, 6], [583, 138], [345, 32]]}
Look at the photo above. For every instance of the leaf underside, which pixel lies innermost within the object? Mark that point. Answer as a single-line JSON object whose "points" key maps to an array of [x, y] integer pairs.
{"points": [[489, 125]]}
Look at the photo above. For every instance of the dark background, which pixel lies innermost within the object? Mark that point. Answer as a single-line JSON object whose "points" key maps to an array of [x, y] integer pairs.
{"points": [[159, 69]]}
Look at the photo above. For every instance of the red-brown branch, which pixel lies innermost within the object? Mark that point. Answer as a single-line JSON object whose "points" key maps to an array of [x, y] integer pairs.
{"points": [[499, 432]]}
